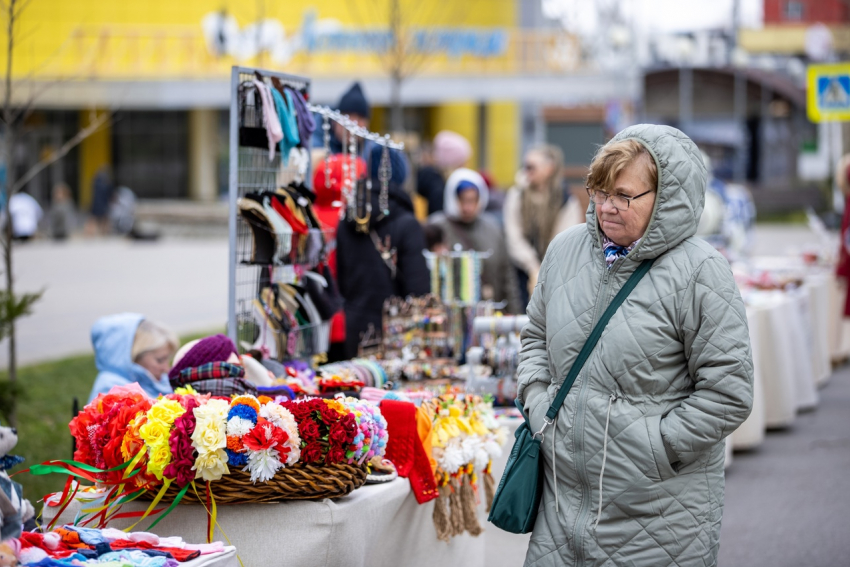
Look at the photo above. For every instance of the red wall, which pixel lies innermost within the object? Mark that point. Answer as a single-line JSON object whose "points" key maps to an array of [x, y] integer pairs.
{"points": [[823, 11]]}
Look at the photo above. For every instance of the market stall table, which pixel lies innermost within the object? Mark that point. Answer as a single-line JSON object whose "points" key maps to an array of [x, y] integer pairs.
{"points": [[375, 525], [751, 433]]}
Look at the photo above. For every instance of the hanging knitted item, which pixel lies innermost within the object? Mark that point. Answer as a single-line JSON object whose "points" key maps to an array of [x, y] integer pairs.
{"points": [[455, 507], [467, 499], [442, 522], [489, 485]]}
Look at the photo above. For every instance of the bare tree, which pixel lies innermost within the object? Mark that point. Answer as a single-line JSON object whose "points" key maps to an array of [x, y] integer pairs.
{"points": [[13, 116], [403, 59]]}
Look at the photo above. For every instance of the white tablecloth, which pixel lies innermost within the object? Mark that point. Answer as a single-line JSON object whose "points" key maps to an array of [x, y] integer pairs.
{"points": [[375, 525], [751, 433]]}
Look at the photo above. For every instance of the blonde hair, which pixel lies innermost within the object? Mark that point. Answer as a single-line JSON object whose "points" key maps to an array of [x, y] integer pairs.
{"points": [[539, 219], [611, 159], [152, 336]]}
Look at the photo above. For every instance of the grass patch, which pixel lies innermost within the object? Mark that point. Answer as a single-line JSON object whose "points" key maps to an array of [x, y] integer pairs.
{"points": [[44, 412]]}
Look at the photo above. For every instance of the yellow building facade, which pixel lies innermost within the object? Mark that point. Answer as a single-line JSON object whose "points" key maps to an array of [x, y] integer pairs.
{"points": [[163, 67]]}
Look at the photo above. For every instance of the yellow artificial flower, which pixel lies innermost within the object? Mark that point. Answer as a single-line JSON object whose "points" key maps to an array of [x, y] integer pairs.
{"points": [[209, 436], [154, 431], [338, 406], [166, 411], [213, 410], [186, 390], [159, 457], [211, 465]]}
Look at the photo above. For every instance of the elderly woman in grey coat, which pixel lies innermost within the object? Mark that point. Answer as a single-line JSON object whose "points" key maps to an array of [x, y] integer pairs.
{"points": [[634, 461]]}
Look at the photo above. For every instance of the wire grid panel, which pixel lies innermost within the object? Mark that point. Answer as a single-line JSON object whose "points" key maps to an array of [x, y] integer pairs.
{"points": [[251, 171]]}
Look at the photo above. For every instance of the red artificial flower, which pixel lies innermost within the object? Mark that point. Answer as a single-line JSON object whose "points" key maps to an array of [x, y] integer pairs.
{"points": [[180, 442], [349, 423], [338, 436], [309, 430], [329, 414], [265, 435], [312, 453], [335, 455]]}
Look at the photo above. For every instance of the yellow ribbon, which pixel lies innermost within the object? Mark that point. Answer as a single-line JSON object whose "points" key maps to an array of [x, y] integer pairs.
{"points": [[166, 483], [214, 520]]}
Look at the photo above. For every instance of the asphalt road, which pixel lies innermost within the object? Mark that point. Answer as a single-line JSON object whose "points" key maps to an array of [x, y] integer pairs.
{"points": [[181, 283]]}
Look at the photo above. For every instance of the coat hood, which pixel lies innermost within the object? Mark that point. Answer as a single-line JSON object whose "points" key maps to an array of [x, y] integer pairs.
{"points": [[112, 338], [451, 206], [681, 189]]}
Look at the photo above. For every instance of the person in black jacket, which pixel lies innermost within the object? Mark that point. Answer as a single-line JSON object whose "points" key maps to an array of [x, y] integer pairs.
{"points": [[383, 259]]}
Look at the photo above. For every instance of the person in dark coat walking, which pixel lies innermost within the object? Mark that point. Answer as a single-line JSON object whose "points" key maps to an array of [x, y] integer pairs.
{"points": [[381, 259]]}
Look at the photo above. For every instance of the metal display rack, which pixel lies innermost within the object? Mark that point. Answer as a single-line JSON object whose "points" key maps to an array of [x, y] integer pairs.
{"points": [[252, 274], [252, 170]]}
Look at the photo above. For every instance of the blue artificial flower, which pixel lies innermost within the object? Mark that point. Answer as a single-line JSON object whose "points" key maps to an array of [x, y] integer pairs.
{"points": [[236, 459], [243, 411]]}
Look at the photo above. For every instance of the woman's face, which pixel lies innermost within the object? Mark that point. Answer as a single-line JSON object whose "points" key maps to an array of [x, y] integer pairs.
{"points": [[157, 361], [537, 168], [624, 227]]}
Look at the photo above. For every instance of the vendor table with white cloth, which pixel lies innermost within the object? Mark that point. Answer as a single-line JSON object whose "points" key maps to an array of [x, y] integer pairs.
{"points": [[375, 525]]}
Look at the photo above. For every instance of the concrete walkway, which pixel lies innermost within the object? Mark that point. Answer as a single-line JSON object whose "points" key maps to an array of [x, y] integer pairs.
{"points": [[180, 282], [787, 502]]}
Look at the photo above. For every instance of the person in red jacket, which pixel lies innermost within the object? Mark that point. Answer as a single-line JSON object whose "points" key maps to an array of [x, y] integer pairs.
{"points": [[327, 183]]}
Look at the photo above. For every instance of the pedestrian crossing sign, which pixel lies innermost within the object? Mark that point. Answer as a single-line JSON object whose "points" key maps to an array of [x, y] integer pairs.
{"points": [[828, 96]]}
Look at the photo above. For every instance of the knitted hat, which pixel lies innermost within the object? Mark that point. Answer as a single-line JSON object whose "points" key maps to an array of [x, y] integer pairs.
{"points": [[354, 102], [216, 348], [329, 189], [397, 161], [451, 150]]}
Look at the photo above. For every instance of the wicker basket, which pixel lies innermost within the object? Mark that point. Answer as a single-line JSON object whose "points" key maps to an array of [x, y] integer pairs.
{"points": [[298, 482]]}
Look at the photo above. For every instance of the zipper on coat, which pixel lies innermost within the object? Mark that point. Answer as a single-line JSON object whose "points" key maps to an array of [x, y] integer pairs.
{"points": [[578, 430]]}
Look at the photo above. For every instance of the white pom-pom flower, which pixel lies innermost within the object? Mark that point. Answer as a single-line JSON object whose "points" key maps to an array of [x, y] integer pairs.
{"points": [[239, 426]]}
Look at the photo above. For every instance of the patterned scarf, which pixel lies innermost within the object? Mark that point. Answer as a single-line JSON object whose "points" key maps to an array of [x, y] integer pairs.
{"points": [[614, 251]]}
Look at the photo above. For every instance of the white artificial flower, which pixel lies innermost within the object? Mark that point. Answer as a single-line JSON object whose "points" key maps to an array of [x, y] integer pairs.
{"points": [[263, 464], [239, 426]]}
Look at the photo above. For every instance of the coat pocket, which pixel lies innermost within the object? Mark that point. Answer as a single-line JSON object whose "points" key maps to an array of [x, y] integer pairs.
{"points": [[663, 467]]}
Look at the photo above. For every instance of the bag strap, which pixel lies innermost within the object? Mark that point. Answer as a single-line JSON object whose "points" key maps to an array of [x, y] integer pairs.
{"points": [[589, 345]]}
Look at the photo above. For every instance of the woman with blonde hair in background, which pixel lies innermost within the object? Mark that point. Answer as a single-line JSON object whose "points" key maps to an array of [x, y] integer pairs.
{"points": [[536, 209]]}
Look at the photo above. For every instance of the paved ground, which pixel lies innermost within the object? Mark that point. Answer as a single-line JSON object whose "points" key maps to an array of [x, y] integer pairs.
{"points": [[179, 281], [182, 283], [787, 501]]}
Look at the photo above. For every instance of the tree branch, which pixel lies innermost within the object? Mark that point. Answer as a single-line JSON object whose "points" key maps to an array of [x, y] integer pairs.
{"points": [[96, 124]]}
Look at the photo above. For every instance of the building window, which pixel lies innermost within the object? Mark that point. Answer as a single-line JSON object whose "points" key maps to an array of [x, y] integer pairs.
{"points": [[151, 153], [794, 10]]}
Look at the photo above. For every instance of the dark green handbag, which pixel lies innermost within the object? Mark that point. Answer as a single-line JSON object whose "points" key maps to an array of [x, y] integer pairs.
{"points": [[517, 498]]}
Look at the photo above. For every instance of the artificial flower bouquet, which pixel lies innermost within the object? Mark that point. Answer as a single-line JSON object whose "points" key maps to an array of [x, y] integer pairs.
{"points": [[129, 444]]}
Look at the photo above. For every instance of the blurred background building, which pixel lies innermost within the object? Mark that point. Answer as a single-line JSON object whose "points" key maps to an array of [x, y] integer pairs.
{"points": [[503, 73]]}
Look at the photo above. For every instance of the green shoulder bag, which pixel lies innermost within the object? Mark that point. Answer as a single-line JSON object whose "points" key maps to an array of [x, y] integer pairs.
{"points": [[517, 498]]}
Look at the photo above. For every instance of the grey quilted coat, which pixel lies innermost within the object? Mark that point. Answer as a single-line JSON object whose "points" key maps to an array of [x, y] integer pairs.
{"points": [[642, 430]]}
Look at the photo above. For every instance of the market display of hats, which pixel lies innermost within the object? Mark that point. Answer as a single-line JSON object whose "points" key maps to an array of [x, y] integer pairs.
{"points": [[284, 227]]}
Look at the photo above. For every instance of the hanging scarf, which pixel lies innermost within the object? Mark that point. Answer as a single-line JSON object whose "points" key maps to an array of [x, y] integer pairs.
{"points": [[614, 251]]}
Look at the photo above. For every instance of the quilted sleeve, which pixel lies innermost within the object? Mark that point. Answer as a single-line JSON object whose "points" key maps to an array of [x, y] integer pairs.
{"points": [[717, 346], [533, 376]]}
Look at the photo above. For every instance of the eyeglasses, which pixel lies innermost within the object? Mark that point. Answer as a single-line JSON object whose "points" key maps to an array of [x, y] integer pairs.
{"points": [[620, 202]]}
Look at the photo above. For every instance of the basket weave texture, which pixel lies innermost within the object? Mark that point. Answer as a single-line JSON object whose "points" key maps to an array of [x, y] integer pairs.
{"points": [[298, 482]]}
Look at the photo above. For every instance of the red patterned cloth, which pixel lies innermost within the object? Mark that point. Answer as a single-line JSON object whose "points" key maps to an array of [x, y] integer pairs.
{"points": [[405, 449]]}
